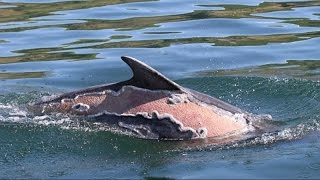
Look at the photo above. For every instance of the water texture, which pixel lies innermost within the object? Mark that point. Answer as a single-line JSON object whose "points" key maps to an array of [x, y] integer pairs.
{"points": [[262, 56]]}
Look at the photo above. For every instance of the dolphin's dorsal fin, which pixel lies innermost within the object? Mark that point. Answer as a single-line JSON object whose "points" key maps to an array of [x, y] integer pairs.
{"points": [[146, 77]]}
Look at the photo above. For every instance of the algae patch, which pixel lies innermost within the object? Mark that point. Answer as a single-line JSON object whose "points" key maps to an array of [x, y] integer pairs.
{"points": [[21, 75], [43, 55], [300, 69], [120, 37]]}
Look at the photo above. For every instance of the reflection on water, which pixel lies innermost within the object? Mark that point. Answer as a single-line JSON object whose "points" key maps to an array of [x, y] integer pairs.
{"points": [[307, 69], [259, 55]]}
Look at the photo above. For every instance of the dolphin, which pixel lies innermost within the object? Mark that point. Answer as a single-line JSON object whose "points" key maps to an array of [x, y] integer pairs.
{"points": [[151, 106]]}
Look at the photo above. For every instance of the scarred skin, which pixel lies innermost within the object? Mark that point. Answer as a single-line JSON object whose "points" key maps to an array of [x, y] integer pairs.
{"points": [[132, 100], [151, 106]]}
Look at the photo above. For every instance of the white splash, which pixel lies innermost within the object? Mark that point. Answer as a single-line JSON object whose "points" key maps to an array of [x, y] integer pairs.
{"points": [[14, 114]]}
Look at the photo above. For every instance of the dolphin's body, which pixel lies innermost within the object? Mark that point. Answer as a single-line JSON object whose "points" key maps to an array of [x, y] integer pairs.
{"points": [[151, 106]]}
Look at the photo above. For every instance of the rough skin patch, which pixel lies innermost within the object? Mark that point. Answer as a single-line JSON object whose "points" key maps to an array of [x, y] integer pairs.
{"points": [[80, 107], [178, 108], [151, 126], [177, 99], [152, 106]]}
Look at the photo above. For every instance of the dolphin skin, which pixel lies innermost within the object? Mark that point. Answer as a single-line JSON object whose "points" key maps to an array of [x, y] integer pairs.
{"points": [[151, 106]]}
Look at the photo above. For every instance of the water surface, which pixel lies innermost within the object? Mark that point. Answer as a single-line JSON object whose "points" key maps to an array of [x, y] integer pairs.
{"points": [[262, 56]]}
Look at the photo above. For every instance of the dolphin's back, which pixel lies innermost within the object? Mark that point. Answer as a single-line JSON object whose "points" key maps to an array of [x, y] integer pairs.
{"points": [[215, 102], [146, 77], [152, 106]]}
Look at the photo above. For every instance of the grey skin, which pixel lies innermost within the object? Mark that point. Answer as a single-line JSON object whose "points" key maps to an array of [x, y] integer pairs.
{"points": [[151, 106]]}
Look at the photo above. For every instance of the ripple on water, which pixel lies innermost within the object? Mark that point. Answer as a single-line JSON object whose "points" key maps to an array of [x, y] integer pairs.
{"points": [[53, 46], [304, 12], [132, 10]]}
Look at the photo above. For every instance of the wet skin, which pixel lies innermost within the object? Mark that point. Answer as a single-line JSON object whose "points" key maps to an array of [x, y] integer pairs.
{"points": [[154, 107]]}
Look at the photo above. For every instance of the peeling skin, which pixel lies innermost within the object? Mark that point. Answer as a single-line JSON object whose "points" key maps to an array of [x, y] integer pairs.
{"points": [[152, 106], [151, 126], [130, 100]]}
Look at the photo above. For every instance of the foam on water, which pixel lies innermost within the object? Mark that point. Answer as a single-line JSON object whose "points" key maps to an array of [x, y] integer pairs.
{"points": [[14, 114]]}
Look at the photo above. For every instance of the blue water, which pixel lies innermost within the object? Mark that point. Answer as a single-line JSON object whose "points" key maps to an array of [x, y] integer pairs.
{"points": [[49, 47]]}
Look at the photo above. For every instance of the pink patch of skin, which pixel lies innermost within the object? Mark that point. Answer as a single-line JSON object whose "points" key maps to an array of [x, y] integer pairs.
{"points": [[134, 100], [193, 115]]}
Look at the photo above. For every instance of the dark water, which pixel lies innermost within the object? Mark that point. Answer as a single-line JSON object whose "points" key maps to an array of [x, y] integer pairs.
{"points": [[53, 46]]}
